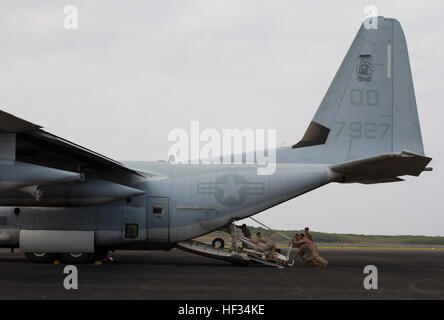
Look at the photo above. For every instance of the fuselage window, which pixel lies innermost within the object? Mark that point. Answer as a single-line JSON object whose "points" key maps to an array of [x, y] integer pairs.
{"points": [[157, 209]]}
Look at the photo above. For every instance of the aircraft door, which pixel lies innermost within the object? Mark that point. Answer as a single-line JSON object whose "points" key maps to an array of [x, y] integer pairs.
{"points": [[158, 219]]}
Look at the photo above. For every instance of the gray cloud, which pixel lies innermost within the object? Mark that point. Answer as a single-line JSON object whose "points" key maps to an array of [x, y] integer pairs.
{"points": [[132, 72]]}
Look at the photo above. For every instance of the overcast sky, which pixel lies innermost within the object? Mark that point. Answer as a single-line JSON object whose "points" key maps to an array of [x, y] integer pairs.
{"points": [[135, 70]]}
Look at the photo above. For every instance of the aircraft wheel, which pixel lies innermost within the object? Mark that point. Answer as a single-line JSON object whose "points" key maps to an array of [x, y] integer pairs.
{"points": [[218, 243], [43, 257], [76, 258], [100, 255]]}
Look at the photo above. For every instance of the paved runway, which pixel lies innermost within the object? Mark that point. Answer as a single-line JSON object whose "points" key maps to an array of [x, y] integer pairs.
{"points": [[403, 274]]}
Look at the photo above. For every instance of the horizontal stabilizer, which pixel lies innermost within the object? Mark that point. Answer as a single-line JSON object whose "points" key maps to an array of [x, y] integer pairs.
{"points": [[385, 180], [383, 168]]}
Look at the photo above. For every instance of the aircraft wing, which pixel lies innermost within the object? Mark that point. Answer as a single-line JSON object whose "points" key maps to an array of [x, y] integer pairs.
{"points": [[36, 146], [383, 168]]}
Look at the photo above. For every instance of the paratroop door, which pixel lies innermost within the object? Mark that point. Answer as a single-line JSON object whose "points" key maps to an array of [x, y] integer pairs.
{"points": [[157, 219]]}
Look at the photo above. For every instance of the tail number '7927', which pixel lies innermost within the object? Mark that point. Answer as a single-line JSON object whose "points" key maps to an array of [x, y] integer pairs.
{"points": [[365, 130]]}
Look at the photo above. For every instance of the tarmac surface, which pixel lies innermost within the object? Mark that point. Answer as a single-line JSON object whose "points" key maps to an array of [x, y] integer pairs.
{"points": [[402, 274]]}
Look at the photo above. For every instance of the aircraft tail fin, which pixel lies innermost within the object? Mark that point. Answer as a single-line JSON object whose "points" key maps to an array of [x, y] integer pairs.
{"points": [[370, 107]]}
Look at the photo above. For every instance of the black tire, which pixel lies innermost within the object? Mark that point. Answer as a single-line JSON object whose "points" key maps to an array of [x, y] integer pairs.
{"points": [[76, 258], [218, 243], [43, 257], [100, 255]]}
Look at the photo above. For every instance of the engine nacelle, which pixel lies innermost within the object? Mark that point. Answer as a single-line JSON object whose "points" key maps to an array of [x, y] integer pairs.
{"points": [[15, 175]]}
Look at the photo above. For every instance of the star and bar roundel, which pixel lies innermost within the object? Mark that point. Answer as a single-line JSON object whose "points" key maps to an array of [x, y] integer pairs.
{"points": [[231, 189]]}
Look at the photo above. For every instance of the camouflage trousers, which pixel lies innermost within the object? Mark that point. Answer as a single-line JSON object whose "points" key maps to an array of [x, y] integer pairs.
{"points": [[269, 250], [314, 260]]}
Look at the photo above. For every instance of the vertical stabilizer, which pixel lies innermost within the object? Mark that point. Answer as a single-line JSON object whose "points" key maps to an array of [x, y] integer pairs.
{"points": [[370, 107]]}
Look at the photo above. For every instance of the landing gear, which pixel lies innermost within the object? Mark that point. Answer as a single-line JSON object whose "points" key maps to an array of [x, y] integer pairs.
{"points": [[43, 257], [100, 255], [76, 258], [67, 258], [218, 243]]}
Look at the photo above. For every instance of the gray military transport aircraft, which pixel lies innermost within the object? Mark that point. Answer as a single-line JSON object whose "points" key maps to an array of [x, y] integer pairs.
{"points": [[60, 200]]}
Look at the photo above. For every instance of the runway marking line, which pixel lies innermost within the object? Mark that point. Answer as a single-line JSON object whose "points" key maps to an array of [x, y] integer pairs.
{"points": [[372, 248]]}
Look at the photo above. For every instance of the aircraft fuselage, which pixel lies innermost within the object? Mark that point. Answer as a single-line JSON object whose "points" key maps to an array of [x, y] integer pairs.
{"points": [[189, 201]]}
